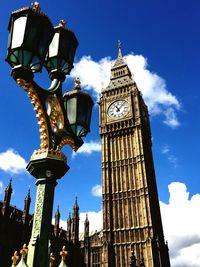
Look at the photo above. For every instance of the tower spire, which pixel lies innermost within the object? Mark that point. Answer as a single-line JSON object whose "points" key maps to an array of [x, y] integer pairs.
{"points": [[7, 197], [27, 202], [57, 222], [75, 222], [86, 227], [69, 222], [120, 72]]}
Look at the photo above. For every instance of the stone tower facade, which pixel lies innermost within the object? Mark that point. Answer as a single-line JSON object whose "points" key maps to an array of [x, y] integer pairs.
{"points": [[132, 227]]}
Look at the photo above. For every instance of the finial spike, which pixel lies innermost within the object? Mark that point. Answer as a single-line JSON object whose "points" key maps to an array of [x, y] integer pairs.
{"points": [[62, 23], [119, 44], [36, 6], [119, 49]]}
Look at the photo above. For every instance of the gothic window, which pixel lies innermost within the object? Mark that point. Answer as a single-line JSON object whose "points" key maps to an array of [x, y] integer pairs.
{"points": [[96, 257]]}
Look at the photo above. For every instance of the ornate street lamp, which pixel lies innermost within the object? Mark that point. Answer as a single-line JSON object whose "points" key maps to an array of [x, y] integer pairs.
{"points": [[62, 118]]}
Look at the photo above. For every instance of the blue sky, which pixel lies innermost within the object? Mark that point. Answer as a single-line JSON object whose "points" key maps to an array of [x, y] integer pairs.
{"points": [[161, 45]]}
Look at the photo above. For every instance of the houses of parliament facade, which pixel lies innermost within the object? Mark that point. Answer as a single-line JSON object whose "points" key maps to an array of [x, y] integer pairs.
{"points": [[132, 233]]}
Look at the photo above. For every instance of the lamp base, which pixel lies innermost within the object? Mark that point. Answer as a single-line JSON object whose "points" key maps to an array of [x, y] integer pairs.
{"points": [[20, 72], [47, 167]]}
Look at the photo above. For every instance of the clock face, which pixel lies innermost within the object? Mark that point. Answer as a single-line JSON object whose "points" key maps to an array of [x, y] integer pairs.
{"points": [[118, 109]]}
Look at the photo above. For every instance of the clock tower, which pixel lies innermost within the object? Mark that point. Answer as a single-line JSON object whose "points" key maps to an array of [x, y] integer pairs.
{"points": [[132, 227]]}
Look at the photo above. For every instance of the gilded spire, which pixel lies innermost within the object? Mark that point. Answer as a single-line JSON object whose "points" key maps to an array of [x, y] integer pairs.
{"points": [[120, 61]]}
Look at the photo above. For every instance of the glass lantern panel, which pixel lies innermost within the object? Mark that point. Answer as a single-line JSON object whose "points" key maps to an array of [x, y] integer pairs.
{"points": [[81, 117], [53, 48], [18, 32], [13, 59], [27, 58], [80, 131], [72, 110], [64, 67]]}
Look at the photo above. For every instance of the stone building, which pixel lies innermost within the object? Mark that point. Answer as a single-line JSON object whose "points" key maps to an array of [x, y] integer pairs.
{"points": [[16, 225]]}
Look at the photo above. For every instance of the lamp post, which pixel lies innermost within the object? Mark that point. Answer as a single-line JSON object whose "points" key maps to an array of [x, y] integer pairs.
{"points": [[62, 118]]}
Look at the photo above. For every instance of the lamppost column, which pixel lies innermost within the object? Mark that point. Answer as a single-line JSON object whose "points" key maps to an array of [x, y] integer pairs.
{"points": [[46, 171]]}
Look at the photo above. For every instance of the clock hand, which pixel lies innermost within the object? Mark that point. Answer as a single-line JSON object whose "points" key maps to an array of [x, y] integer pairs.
{"points": [[117, 107], [121, 105]]}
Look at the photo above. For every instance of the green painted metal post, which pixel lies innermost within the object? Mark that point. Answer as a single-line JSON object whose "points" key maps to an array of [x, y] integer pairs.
{"points": [[47, 171]]}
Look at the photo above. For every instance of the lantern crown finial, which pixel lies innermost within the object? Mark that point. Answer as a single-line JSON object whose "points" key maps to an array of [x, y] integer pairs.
{"points": [[62, 23], [36, 6], [77, 83]]}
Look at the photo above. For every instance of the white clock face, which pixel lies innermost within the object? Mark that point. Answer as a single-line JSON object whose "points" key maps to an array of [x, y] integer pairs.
{"points": [[118, 109]]}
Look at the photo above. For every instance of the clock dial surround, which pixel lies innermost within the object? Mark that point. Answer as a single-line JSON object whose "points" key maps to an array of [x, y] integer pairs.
{"points": [[118, 109]]}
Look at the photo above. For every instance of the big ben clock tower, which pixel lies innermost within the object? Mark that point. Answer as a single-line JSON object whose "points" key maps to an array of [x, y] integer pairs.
{"points": [[132, 227]]}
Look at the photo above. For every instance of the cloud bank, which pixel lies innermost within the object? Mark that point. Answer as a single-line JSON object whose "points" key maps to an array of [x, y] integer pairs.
{"points": [[12, 162], [97, 190], [88, 148], [96, 74], [181, 221]]}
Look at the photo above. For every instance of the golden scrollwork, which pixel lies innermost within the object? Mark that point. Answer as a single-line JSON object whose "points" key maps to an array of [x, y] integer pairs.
{"points": [[55, 113], [40, 113], [67, 140]]}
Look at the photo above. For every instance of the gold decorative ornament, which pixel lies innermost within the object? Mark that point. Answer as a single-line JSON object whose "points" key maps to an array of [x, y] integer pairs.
{"points": [[77, 83], [40, 113], [55, 113], [62, 23], [15, 258], [36, 6], [63, 253], [51, 260], [24, 251], [67, 140], [46, 153]]}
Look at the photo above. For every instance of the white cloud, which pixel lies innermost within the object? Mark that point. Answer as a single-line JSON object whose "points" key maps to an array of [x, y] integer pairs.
{"points": [[165, 150], [95, 219], [181, 226], [171, 118], [97, 190], [88, 148], [171, 158], [12, 162], [153, 87]]}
